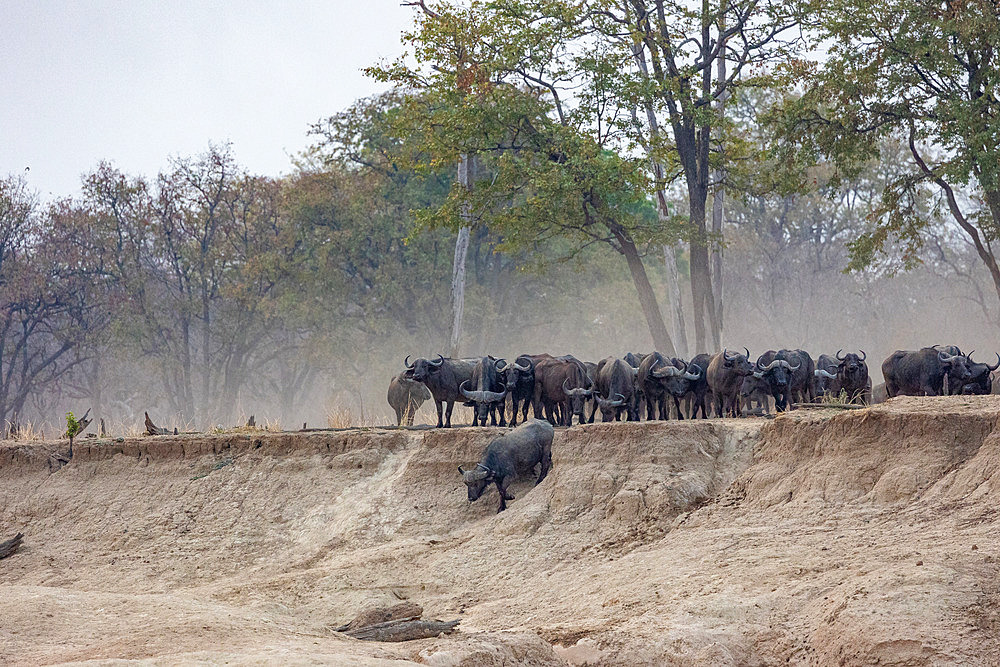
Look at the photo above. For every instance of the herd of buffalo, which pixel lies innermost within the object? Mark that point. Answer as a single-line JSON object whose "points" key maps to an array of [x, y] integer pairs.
{"points": [[724, 384]]}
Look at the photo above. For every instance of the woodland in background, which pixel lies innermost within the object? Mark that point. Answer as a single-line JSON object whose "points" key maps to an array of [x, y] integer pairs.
{"points": [[207, 293]]}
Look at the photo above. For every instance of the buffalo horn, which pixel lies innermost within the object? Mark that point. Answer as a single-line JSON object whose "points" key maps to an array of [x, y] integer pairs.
{"points": [[523, 369], [688, 375], [407, 363], [819, 372], [863, 355], [438, 362], [497, 363], [946, 357], [840, 357], [725, 355], [747, 351], [993, 368], [668, 371]]}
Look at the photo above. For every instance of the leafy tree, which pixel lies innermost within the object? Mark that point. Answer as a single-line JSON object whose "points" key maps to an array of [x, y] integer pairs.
{"points": [[51, 298], [567, 82], [925, 74]]}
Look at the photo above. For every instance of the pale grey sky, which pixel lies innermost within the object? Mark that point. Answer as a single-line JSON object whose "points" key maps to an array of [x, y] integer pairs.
{"points": [[135, 82]]}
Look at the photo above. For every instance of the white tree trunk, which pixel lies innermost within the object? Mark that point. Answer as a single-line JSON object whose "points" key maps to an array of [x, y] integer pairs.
{"points": [[677, 306], [465, 168], [718, 207]]}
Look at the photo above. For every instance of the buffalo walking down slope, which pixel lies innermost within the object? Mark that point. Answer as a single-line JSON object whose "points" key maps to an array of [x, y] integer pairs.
{"points": [[517, 452], [405, 396]]}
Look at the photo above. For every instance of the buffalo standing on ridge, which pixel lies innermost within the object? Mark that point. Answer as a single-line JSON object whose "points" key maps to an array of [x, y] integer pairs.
{"points": [[443, 377], [405, 396], [490, 393], [725, 377], [923, 372], [850, 376]]}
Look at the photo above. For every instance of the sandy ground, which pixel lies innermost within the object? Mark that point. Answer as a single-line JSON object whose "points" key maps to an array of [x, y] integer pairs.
{"points": [[864, 537]]}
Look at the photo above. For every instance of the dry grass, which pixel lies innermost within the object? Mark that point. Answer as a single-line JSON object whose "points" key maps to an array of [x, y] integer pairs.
{"points": [[26, 431]]}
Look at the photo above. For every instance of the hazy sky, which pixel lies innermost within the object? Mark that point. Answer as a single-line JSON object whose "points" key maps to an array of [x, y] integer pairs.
{"points": [[135, 82]]}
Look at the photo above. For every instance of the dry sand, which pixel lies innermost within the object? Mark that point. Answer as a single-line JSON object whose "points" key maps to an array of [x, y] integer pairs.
{"points": [[864, 537]]}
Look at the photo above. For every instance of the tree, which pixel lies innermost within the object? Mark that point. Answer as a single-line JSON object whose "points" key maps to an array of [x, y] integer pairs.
{"points": [[624, 74], [51, 298], [924, 73]]}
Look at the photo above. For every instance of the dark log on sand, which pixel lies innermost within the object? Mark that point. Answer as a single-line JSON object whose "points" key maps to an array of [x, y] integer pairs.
{"points": [[8, 547], [374, 614], [829, 406], [403, 631]]}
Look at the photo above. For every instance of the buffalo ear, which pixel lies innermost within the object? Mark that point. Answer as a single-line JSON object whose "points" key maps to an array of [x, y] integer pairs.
{"points": [[460, 471]]}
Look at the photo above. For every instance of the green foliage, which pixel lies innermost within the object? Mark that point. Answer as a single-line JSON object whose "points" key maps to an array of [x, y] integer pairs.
{"points": [[73, 427], [923, 74]]}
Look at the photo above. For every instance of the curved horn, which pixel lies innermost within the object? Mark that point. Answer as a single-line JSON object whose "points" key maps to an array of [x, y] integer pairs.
{"points": [[460, 470], [438, 362], [819, 372], [496, 364], [407, 363], [471, 395], [863, 355], [668, 371], [688, 375], [493, 396], [523, 369], [969, 356], [839, 356], [747, 351], [617, 403], [993, 368], [725, 355], [771, 365], [758, 374], [795, 367], [945, 357], [566, 391]]}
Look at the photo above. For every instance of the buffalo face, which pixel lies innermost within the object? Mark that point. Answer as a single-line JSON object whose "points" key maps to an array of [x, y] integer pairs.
{"points": [[476, 481], [421, 369]]}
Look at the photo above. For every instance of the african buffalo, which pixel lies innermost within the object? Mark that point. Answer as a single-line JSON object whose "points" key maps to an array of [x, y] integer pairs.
{"points": [[662, 378], [405, 395], [520, 385], [826, 370], [980, 377], [443, 378], [697, 396], [562, 388], [922, 372], [614, 392], [517, 452], [789, 376], [490, 392], [850, 376], [725, 377]]}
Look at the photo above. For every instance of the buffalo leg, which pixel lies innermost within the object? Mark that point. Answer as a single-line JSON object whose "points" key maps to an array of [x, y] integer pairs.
{"points": [[513, 415], [677, 406], [451, 405], [502, 408], [440, 409], [544, 470], [650, 412]]}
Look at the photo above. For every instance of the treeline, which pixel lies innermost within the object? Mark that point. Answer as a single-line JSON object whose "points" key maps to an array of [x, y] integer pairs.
{"points": [[206, 292]]}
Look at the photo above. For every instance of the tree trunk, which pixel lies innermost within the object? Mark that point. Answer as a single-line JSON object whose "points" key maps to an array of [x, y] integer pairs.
{"points": [[674, 292], [718, 202], [647, 298], [466, 168]]}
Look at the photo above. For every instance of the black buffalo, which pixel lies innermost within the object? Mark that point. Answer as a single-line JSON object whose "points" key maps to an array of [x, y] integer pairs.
{"points": [[697, 396], [443, 377], [980, 377], [661, 378], [486, 391], [520, 385], [923, 372], [849, 376], [788, 375], [725, 376], [517, 452], [614, 393]]}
